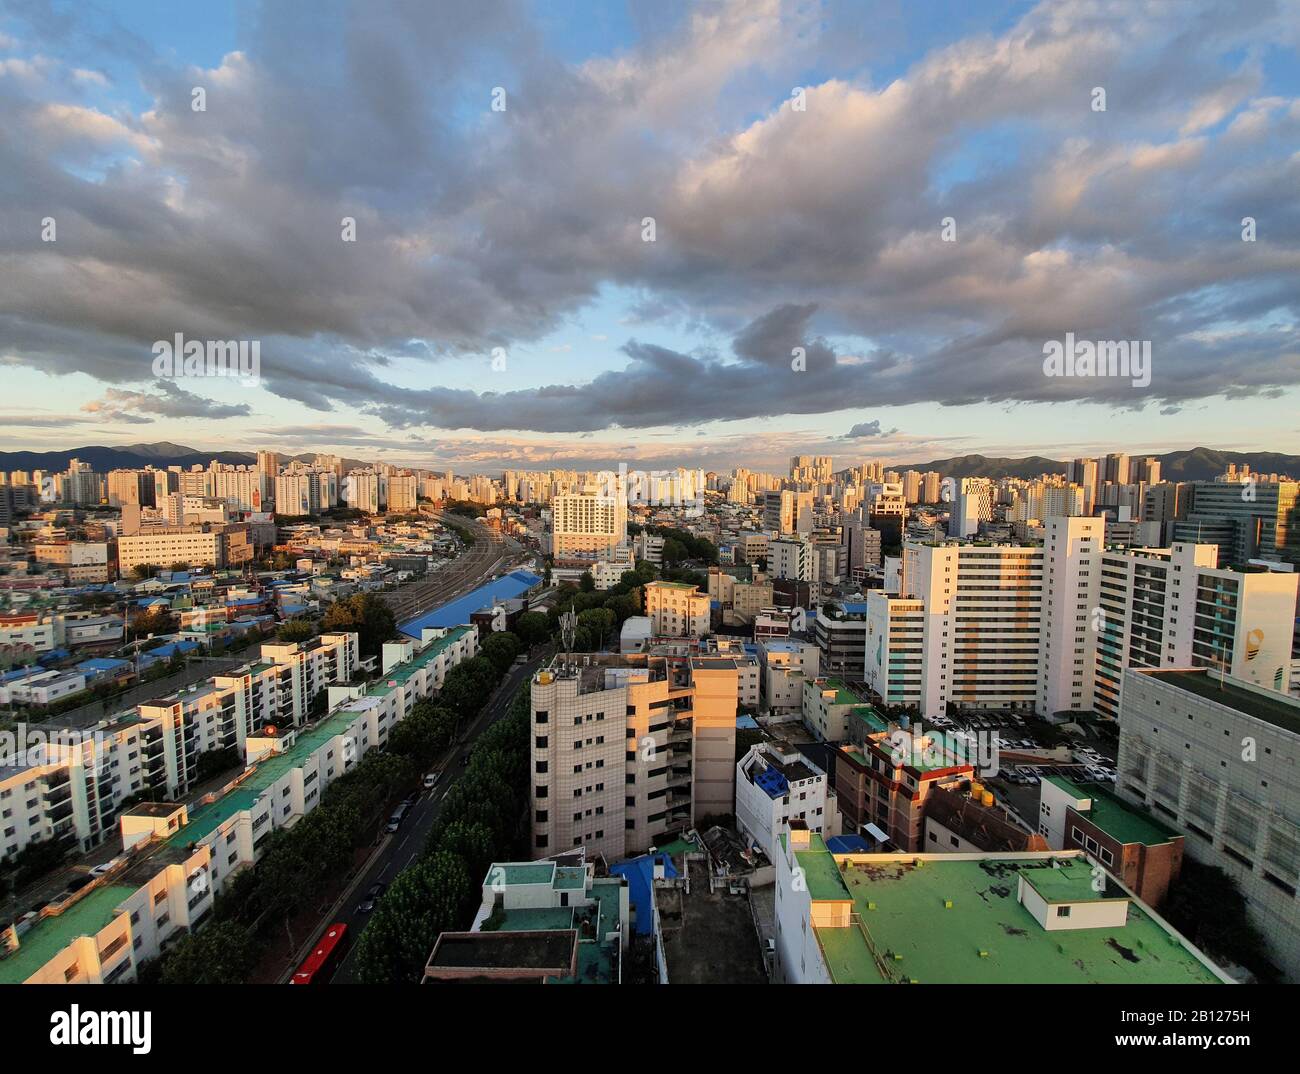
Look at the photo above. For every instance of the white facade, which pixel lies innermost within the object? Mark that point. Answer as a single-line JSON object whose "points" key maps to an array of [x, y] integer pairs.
{"points": [[776, 784]]}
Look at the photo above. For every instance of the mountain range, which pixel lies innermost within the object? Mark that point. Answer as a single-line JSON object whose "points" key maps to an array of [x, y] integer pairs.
{"points": [[1197, 464]]}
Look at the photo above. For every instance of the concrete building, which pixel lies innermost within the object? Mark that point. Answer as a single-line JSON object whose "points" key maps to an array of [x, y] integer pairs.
{"points": [[786, 664], [217, 546], [540, 922], [176, 862], [592, 520], [974, 918], [828, 706], [630, 748], [1052, 627], [1245, 519], [777, 785], [1216, 758], [156, 747], [677, 610], [840, 631], [1133, 845]]}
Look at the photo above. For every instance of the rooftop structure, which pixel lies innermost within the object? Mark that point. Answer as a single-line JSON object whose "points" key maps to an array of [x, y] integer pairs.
{"points": [[1030, 918]]}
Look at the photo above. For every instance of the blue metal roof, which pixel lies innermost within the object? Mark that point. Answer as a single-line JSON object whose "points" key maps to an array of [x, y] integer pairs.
{"points": [[457, 612], [773, 783], [640, 875]]}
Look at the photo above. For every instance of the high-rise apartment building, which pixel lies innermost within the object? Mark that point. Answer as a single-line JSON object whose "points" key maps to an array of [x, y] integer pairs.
{"points": [[593, 520], [1053, 627], [628, 749]]}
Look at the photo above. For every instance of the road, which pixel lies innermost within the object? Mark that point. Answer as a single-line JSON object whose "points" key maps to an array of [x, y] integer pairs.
{"points": [[490, 555], [398, 851]]}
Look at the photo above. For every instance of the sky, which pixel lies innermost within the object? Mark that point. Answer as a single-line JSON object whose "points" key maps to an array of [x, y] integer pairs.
{"points": [[712, 234]]}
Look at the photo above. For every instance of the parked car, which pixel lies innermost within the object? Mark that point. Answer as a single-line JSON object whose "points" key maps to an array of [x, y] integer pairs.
{"points": [[373, 894], [431, 780]]}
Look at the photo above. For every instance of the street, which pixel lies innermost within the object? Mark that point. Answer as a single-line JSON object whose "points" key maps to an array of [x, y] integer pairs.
{"points": [[397, 851]]}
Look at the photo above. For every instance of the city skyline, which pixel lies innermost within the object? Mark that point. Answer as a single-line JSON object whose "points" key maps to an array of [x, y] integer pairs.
{"points": [[919, 212]]}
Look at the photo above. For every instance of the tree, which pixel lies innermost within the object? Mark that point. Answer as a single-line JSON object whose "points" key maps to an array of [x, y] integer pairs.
{"points": [[432, 896], [299, 629], [221, 953], [587, 583], [367, 615], [501, 648], [533, 628], [144, 570]]}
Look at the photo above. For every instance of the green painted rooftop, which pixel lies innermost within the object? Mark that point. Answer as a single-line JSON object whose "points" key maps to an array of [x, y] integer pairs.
{"points": [[509, 873], [987, 936], [1121, 821], [843, 695], [52, 934]]}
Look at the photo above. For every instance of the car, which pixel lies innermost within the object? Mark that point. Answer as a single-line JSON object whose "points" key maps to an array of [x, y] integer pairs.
{"points": [[100, 870], [372, 896], [431, 780], [395, 821]]}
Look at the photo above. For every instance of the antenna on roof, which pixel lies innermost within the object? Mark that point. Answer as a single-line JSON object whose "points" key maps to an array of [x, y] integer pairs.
{"points": [[568, 627]]}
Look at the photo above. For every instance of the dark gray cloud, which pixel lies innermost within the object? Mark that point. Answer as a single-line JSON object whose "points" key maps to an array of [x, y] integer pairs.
{"points": [[816, 230]]}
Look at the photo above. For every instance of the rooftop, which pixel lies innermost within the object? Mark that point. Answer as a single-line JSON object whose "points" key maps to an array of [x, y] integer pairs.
{"points": [[1115, 817], [957, 919], [39, 944], [1273, 708]]}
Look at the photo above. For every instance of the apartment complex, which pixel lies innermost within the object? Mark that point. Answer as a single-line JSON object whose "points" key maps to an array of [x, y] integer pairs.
{"points": [[629, 748], [1175, 608], [213, 545], [1052, 627], [964, 630], [178, 859], [72, 783], [1216, 757], [967, 918]]}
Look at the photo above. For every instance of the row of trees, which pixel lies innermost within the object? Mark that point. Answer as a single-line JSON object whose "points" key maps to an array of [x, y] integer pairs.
{"points": [[482, 821]]}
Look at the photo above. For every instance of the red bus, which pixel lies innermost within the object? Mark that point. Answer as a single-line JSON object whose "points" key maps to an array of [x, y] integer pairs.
{"points": [[325, 956]]}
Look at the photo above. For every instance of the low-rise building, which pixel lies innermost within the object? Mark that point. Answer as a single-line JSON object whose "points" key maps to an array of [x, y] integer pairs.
{"points": [[175, 863], [1139, 849], [775, 785], [540, 922], [1027, 918]]}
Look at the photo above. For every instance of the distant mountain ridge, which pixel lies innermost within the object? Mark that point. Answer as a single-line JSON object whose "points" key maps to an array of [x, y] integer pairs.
{"points": [[134, 456], [1196, 464]]}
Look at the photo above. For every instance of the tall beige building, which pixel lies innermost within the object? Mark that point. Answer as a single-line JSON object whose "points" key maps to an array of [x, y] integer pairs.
{"points": [[628, 749], [592, 520]]}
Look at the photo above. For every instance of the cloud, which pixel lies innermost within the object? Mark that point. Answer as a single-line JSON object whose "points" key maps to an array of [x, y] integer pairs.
{"points": [[172, 402], [868, 429], [776, 229]]}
